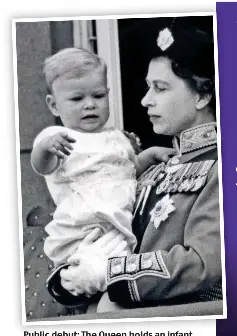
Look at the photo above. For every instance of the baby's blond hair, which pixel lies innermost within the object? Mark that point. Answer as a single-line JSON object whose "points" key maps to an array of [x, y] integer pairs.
{"points": [[69, 59]]}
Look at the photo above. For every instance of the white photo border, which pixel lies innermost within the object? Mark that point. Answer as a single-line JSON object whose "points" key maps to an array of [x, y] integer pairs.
{"points": [[50, 321]]}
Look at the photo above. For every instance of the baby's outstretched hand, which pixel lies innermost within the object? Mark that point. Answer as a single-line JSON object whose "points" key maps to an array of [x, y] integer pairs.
{"points": [[59, 144], [160, 153], [152, 156]]}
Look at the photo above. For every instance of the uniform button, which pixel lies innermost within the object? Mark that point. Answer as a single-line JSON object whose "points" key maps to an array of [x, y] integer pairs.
{"points": [[146, 256], [131, 268], [116, 269], [147, 263], [132, 259], [174, 160], [116, 262]]}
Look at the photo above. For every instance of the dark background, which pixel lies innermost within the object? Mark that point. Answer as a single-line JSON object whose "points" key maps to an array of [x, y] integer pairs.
{"points": [[134, 65]]}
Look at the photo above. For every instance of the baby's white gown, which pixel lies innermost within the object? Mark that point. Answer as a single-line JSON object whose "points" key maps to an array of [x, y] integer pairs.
{"points": [[93, 187]]}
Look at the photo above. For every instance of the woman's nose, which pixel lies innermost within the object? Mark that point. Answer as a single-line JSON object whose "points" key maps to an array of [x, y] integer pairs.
{"points": [[89, 103], [148, 99]]}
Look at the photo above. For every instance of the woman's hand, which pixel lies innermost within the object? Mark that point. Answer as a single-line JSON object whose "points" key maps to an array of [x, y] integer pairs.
{"points": [[87, 275]]}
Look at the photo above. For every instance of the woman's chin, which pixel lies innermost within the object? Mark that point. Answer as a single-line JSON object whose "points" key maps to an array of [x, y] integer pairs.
{"points": [[159, 129]]}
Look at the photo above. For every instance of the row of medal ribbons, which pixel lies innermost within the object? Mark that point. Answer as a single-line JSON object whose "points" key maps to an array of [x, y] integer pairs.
{"points": [[185, 177]]}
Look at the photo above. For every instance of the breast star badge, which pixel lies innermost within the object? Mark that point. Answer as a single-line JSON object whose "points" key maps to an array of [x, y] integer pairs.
{"points": [[161, 210]]}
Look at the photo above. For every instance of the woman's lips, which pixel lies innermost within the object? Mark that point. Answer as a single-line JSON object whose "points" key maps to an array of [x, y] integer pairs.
{"points": [[153, 117]]}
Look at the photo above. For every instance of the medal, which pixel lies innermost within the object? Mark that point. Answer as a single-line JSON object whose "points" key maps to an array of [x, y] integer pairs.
{"points": [[171, 173], [163, 186], [183, 185], [171, 187], [193, 174], [182, 180], [161, 210], [175, 182], [190, 184], [209, 165], [198, 183], [202, 175]]}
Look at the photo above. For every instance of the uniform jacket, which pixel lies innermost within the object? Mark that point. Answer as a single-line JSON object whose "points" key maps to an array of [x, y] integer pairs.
{"points": [[178, 227]]}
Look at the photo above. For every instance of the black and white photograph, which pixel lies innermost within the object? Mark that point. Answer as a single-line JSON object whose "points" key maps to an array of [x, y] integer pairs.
{"points": [[120, 188]]}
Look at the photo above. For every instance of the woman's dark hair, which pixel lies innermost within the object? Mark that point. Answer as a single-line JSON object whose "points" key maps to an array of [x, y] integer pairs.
{"points": [[201, 85]]}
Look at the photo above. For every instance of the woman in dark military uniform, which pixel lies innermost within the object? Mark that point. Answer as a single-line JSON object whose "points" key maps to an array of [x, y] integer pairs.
{"points": [[176, 220]]}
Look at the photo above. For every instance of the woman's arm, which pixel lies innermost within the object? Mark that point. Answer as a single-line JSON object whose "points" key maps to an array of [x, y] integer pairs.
{"points": [[184, 269]]}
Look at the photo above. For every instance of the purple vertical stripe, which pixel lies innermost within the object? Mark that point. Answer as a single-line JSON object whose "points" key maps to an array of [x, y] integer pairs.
{"points": [[227, 50]]}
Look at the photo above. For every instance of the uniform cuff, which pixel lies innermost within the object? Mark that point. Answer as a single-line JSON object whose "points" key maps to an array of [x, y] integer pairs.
{"points": [[123, 274]]}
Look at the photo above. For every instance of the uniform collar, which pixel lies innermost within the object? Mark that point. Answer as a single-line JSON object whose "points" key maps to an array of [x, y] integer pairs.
{"points": [[196, 138]]}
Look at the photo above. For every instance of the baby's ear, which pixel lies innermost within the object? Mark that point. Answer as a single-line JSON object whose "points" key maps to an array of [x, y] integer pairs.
{"points": [[50, 101]]}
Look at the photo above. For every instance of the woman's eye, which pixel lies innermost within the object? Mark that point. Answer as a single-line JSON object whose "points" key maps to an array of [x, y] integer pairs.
{"points": [[160, 89], [157, 88]]}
